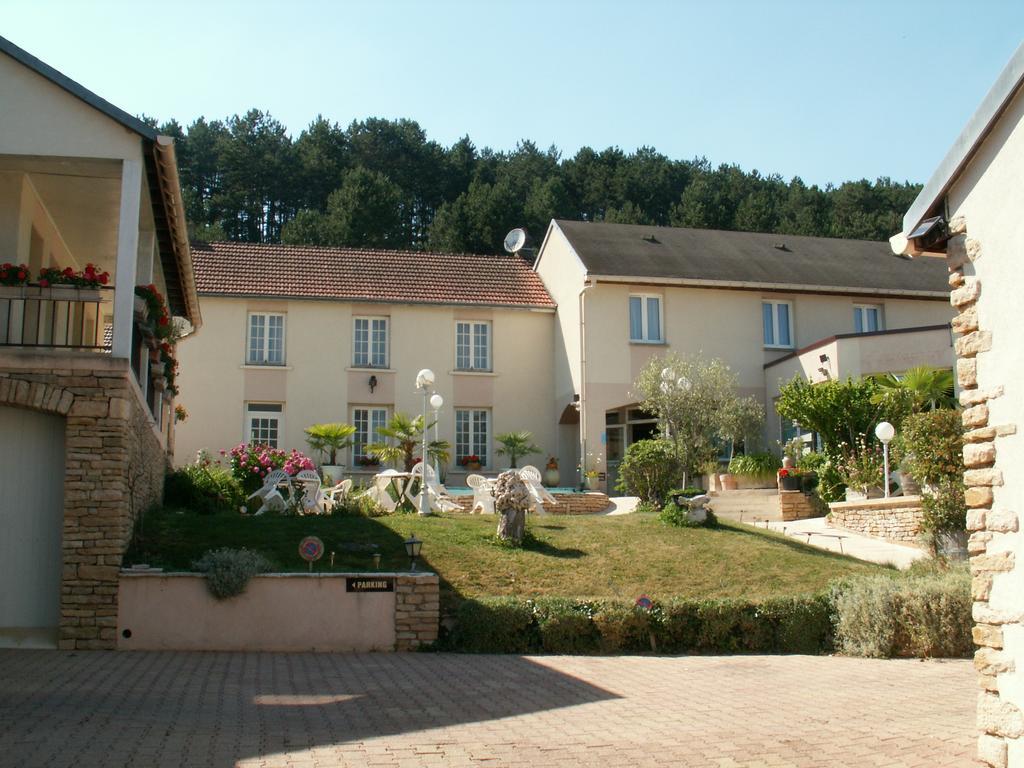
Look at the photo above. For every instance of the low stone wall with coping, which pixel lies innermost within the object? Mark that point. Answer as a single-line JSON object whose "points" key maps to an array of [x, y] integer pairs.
{"points": [[797, 505], [588, 503], [896, 519]]}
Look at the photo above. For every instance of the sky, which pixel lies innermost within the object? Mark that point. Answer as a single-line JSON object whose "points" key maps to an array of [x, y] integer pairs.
{"points": [[827, 90]]}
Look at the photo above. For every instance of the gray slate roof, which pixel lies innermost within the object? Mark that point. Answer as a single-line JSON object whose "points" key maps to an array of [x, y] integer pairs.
{"points": [[814, 263]]}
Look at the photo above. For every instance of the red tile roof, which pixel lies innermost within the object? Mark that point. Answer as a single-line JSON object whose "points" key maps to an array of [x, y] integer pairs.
{"points": [[355, 274]]}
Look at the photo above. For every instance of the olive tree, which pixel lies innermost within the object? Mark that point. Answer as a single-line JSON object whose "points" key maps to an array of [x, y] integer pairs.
{"points": [[696, 402]]}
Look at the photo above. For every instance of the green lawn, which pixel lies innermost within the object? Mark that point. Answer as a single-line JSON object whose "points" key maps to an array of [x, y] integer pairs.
{"points": [[588, 557]]}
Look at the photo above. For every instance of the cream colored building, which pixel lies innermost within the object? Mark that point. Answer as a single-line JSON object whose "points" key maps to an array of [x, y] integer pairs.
{"points": [[303, 336], [764, 304], [85, 424], [969, 213]]}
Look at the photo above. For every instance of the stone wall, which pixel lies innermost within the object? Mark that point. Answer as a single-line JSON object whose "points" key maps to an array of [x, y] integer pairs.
{"points": [[588, 503], [417, 610], [114, 467], [994, 527], [797, 505], [896, 520]]}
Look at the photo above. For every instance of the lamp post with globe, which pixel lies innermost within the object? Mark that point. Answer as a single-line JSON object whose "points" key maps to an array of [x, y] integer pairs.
{"points": [[885, 432], [424, 383]]}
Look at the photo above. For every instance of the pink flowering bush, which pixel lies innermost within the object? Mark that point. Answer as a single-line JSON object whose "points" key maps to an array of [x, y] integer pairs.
{"points": [[250, 463]]}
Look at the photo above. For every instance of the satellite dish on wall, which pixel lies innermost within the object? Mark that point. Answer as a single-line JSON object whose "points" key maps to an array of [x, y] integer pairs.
{"points": [[515, 240]]}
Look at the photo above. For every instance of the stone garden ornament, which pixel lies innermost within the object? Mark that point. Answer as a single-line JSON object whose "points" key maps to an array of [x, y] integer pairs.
{"points": [[511, 502]]}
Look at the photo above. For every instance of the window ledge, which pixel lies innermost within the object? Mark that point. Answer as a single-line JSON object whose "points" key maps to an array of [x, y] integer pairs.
{"points": [[467, 372], [779, 348], [661, 343], [266, 367], [369, 369]]}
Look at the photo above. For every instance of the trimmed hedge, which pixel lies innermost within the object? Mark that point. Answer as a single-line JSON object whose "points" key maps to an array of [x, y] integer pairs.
{"points": [[924, 615], [558, 625]]}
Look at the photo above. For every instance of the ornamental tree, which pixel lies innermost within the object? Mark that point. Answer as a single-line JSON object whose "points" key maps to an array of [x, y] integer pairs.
{"points": [[696, 402]]}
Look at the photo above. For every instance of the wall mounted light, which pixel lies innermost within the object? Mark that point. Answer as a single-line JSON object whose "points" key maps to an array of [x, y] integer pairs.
{"points": [[373, 384]]}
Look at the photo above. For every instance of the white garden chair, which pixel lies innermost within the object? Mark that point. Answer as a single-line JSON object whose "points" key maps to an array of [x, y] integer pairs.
{"points": [[312, 497], [331, 496], [270, 494], [483, 494], [378, 490], [540, 494], [437, 496]]}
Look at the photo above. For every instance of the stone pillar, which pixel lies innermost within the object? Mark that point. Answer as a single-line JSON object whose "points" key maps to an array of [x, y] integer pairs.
{"points": [[417, 610], [993, 528]]}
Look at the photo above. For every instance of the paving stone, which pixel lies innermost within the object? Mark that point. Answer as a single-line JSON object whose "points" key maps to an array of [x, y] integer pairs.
{"points": [[315, 710]]}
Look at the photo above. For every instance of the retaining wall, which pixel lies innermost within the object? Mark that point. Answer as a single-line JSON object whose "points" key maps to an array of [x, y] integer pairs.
{"points": [[896, 519], [279, 612]]}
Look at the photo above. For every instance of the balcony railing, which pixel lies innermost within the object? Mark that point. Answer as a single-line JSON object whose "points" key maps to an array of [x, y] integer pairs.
{"points": [[57, 316]]}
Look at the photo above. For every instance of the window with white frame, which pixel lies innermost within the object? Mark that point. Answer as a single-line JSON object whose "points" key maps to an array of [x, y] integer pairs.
{"points": [[472, 434], [367, 422], [867, 318], [370, 342], [264, 423], [473, 346], [265, 343], [645, 318], [778, 323]]}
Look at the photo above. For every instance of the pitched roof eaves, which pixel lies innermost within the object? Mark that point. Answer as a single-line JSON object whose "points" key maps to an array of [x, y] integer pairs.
{"points": [[686, 282], [374, 300]]}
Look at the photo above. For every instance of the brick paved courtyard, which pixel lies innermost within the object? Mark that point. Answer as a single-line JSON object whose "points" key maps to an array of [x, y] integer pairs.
{"points": [[305, 710]]}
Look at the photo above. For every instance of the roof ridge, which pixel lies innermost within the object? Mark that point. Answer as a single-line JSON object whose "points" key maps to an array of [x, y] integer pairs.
{"points": [[724, 231], [354, 249]]}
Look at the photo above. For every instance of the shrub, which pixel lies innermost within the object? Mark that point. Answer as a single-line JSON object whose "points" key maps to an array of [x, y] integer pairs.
{"points": [[673, 514], [648, 470], [358, 505], [931, 445], [566, 626], [919, 616], [203, 487], [625, 628], [228, 570], [500, 625], [944, 507], [761, 465]]}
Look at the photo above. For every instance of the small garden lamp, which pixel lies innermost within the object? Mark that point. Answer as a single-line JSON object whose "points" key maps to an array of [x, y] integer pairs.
{"points": [[885, 432], [424, 383], [436, 401], [412, 548]]}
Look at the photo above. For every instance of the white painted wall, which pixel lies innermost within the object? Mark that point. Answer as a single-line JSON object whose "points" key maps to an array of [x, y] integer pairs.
{"points": [[318, 383], [989, 194]]}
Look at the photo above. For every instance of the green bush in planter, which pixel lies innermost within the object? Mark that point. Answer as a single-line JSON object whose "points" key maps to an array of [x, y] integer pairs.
{"points": [[760, 466], [228, 571]]}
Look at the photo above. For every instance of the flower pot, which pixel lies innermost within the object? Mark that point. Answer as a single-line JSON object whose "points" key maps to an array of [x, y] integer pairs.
{"points": [[791, 483], [728, 482], [331, 473], [590, 481], [552, 477], [472, 466]]}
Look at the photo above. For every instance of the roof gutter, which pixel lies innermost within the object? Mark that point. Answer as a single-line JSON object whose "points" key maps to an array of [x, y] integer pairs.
{"points": [[174, 206], [962, 152], [687, 282]]}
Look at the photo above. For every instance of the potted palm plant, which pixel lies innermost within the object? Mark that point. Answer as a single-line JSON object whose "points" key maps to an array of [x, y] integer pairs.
{"points": [[516, 444], [328, 439], [403, 438]]}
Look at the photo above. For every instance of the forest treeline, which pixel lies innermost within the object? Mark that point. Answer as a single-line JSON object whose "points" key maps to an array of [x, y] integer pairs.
{"points": [[383, 183]]}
